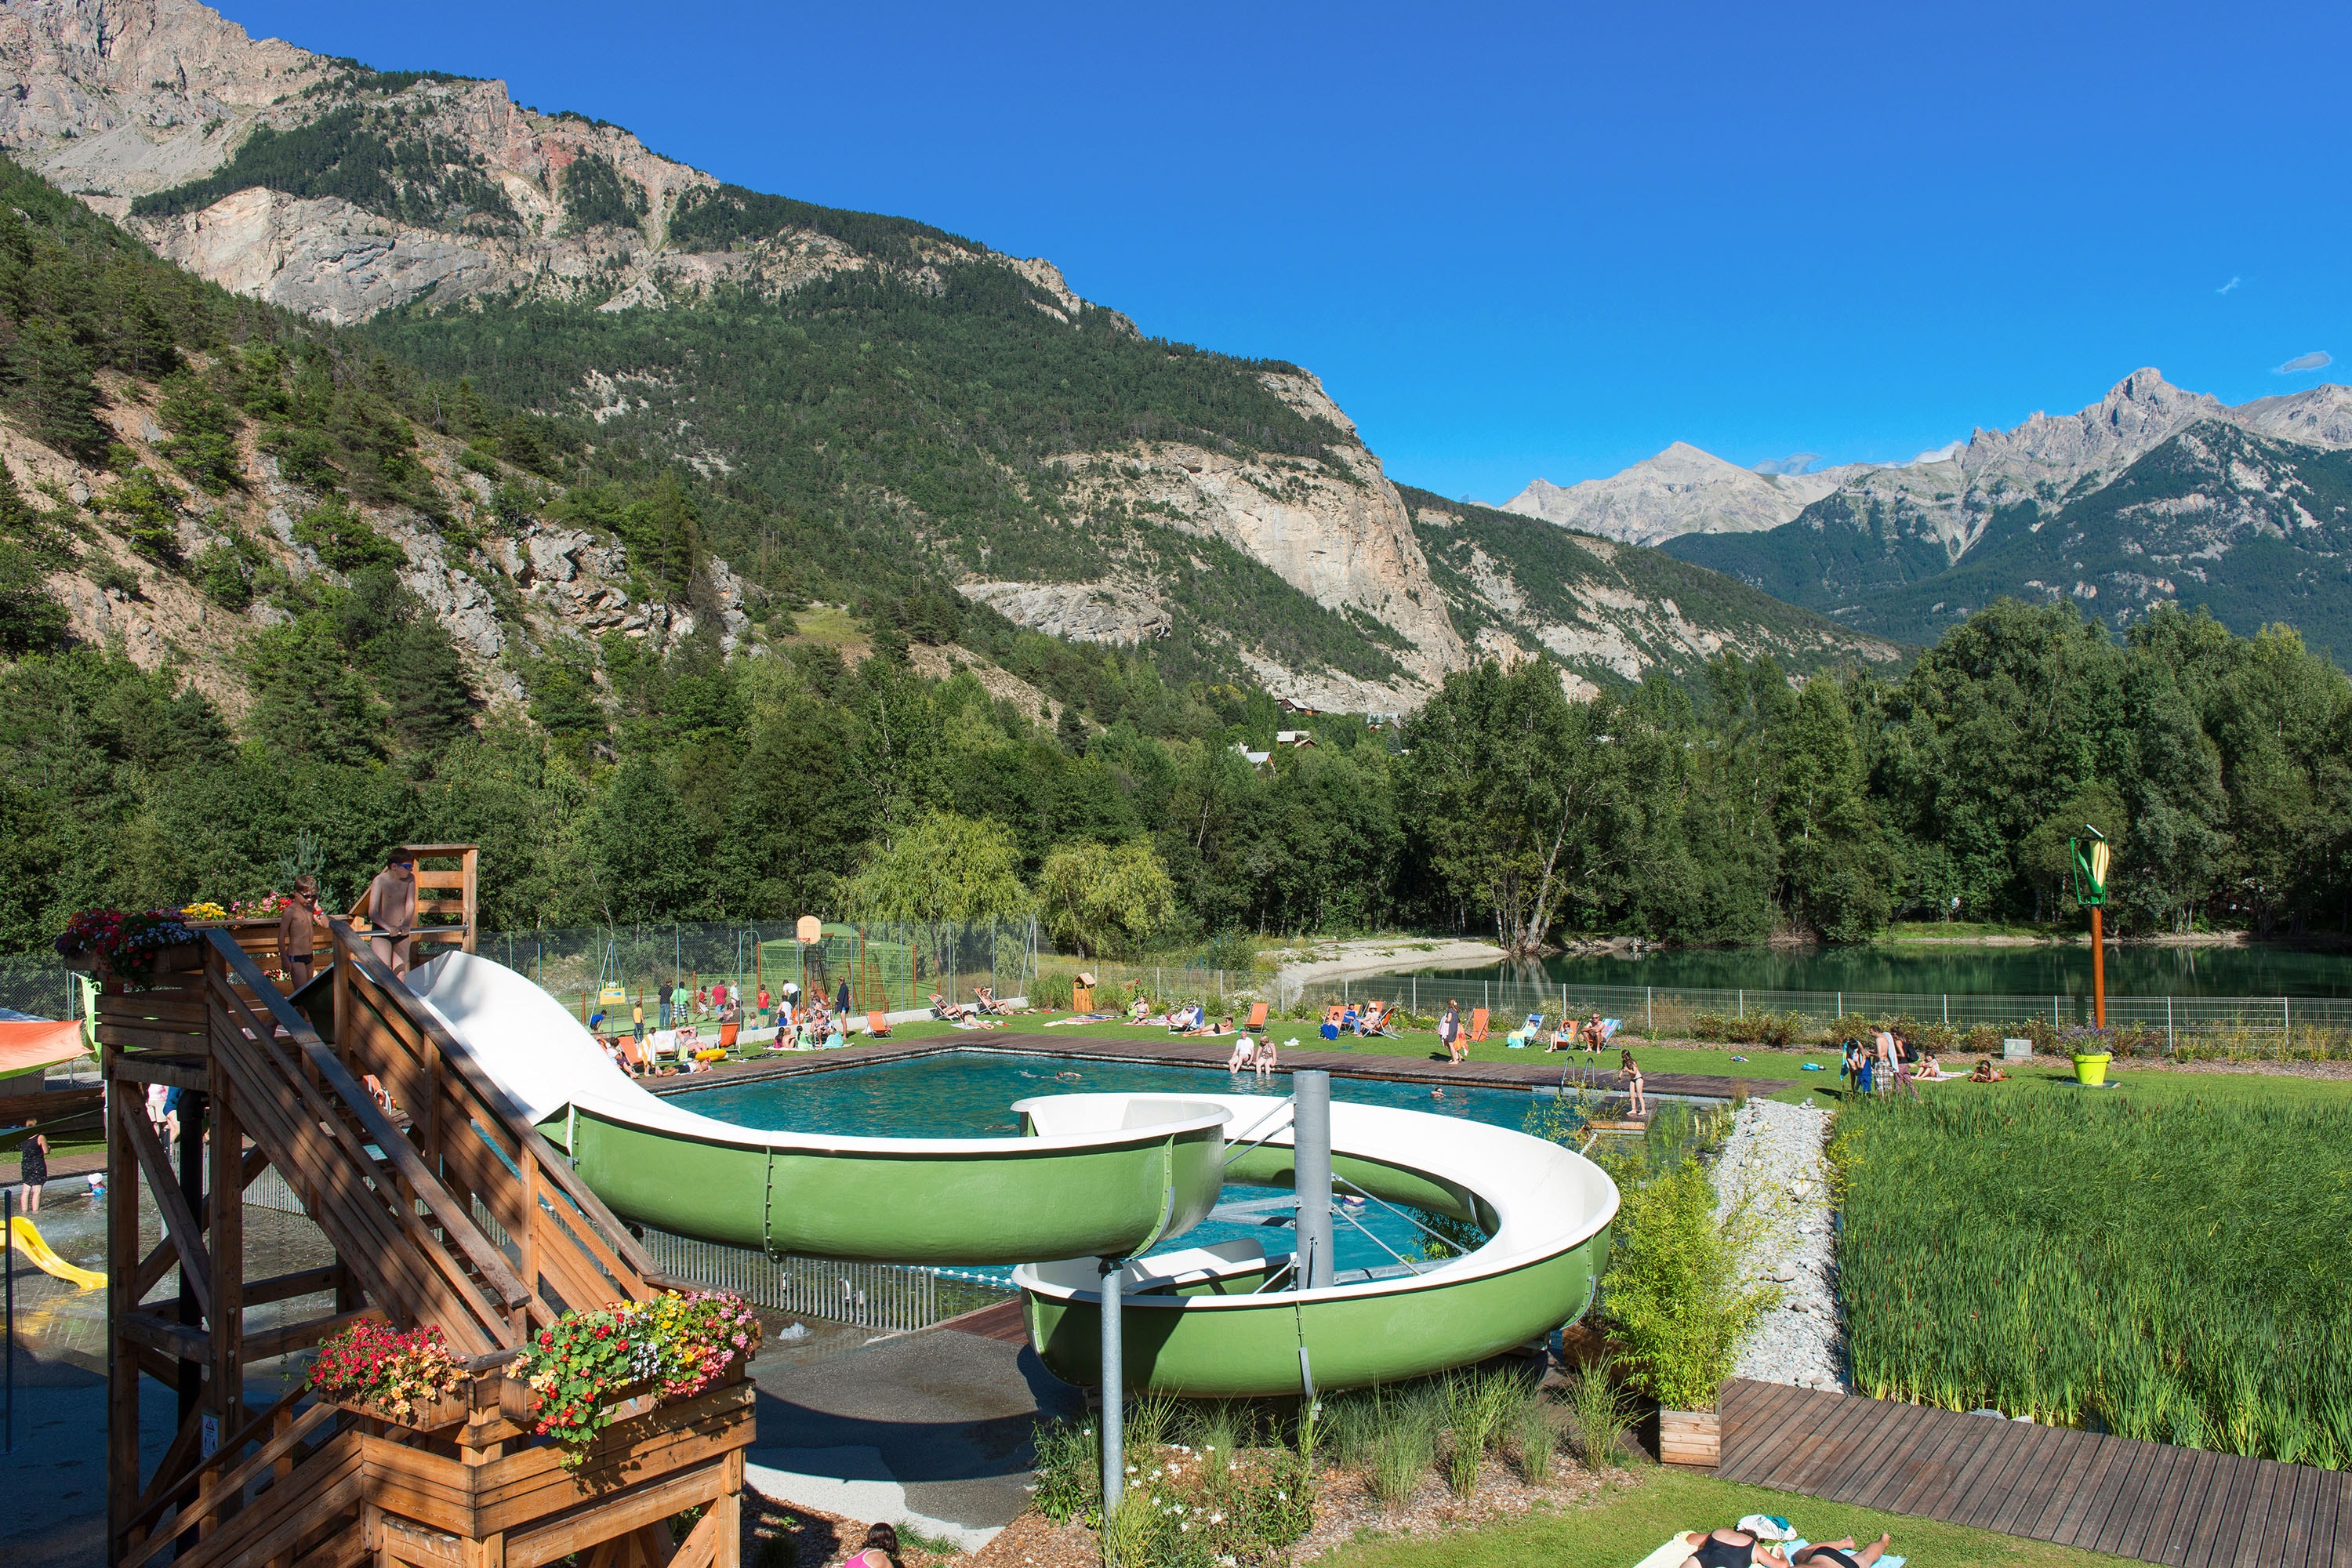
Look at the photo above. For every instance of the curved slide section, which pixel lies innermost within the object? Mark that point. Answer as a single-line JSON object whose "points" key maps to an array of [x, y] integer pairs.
{"points": [[1098, 1174], [1195, 1320], [1118, 1186], [27, 1239]]}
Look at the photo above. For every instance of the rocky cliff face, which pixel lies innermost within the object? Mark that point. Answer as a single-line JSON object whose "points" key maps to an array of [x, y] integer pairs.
{"points": [[342, 192]]}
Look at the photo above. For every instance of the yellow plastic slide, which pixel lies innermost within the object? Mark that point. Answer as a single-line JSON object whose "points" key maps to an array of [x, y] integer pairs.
{"points": [[26, 1239]]}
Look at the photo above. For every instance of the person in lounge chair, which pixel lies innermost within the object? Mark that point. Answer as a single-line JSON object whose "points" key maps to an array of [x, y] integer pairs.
{"points": [[950, 1011], [984, 1001], [1375, 1019], [1186, 1020]]}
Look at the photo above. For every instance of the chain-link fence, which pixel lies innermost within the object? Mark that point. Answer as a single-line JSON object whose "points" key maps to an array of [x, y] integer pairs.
{"points": [[2319, 1024]]}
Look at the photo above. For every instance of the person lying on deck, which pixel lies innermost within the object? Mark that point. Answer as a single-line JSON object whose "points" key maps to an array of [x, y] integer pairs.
{"points": [[950, 1011]]}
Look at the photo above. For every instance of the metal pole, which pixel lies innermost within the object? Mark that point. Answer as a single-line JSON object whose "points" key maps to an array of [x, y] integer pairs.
{"points": [[2172, 1045], [1311, 1143], [8, 1261], [1114, 1386], [1649, 1009], [2098, 971]]}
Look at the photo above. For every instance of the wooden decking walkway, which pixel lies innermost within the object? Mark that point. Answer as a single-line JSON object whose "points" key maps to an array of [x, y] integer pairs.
{"points": [[2147, 1501], [1541, 1070]]}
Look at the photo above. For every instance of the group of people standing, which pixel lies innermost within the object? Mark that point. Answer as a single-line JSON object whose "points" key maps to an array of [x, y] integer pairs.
{"points": [[1888, 1063]]}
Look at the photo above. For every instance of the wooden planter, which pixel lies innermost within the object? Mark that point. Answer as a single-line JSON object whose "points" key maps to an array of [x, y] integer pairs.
{"points": [[450, 1410], [1690, 1437]]}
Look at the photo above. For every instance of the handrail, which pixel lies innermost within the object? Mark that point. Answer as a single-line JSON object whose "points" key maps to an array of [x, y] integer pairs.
{"points": [[1236, 1150], [460, 1057], [402, 1154]]}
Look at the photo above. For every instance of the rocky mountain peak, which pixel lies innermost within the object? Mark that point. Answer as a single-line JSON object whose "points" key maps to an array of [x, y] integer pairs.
{"points": [[1680, 489]]}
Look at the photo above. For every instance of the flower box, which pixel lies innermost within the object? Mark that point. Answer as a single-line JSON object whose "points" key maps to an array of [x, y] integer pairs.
{"points": [[440, 1415], [1690, 1437]]}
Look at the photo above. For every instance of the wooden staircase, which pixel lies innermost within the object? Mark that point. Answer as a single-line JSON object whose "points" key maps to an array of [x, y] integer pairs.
{"points": [[446, 1207]]}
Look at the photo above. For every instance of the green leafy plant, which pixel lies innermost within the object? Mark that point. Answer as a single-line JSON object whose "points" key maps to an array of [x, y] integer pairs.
{"points": [[1600, 1412], [1673, 1294]]}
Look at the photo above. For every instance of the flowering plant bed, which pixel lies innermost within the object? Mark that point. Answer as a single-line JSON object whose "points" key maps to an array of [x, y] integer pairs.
{"points": [[408, 1377], [203, 909], [125, 946], [673, 1347]]}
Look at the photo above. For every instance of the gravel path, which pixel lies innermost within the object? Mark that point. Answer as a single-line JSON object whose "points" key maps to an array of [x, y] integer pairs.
{"points": [[1772, 1165]]}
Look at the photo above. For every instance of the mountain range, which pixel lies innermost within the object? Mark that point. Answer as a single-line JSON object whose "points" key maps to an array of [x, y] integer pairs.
{"points": [[861, 403], [2151, 495]]}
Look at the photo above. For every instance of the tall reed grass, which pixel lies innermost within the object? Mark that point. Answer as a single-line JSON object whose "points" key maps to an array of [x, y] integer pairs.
{"points": [[2173, 1271]]}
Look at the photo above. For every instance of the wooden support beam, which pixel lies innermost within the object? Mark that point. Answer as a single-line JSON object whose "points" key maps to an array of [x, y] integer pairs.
{"points": [[179, 1220], [226, 1315], [173, 1069], [161, 1333], [301, 1282]]}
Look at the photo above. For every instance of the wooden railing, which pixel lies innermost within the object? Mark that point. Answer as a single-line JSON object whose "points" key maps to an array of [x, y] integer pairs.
{"points": [[567, 1248]]}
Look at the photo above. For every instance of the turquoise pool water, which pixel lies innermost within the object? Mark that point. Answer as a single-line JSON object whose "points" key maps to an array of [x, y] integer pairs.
{"points": [[970, 1093]]}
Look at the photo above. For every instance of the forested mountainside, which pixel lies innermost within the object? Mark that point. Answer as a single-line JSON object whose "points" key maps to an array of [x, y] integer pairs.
{"points": [[2153, 496], [873, 404], [282, 524], [1520, 587]]}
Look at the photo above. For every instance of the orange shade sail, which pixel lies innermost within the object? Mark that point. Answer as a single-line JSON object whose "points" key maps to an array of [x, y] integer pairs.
{"points": [[37, 1043]]}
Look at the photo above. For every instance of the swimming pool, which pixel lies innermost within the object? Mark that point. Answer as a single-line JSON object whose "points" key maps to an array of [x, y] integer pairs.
{"points": [[969, 1093]]}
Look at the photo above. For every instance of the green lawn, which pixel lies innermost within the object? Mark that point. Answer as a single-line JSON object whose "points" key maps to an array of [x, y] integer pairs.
{"points": [[1632, 1518], [1822, 1088]]}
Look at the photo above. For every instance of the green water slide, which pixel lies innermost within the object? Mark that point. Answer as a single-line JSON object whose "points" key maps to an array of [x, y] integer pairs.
{"points": [[1095, 1176]]}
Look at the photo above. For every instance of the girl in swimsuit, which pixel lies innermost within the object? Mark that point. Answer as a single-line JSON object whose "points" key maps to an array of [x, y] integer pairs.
{"points": [[1732, 1549], [880, 1550]]}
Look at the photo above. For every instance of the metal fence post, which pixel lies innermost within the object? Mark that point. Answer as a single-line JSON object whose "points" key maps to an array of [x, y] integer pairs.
{"points": [[1649, 1009], [1948, 1009], [1743, 1002], [2171, 1043]]}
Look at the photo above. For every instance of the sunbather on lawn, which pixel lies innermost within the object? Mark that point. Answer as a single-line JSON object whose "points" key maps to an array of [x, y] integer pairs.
{"points": [[1843, 1554], [1729, 1547]]}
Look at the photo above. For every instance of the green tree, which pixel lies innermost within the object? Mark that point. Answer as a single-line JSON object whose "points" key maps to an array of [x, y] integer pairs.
{"points": [[1104, 899], [940, 868]]}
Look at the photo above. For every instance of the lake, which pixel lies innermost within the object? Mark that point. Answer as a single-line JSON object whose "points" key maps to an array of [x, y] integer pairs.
{"points": [[1932, 969]]}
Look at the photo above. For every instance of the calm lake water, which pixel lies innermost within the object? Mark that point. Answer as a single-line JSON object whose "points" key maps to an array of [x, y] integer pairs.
{"points": [[970, 1094], [1930, 970]]}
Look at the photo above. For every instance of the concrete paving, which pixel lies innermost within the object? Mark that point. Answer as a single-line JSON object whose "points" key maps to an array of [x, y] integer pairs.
{"points": [[929, 1430]]}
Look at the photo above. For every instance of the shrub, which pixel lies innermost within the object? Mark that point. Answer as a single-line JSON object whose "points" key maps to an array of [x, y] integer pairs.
{"points": [[1673, 1295], [344, 541], [1069, 1471], [1600, 1413], [1050, 991], [1777, 1030]]}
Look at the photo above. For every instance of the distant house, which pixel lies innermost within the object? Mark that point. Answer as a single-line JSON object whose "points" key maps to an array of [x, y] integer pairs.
{"points": [[1287, 706], [1254, 759], [1293, 737]]}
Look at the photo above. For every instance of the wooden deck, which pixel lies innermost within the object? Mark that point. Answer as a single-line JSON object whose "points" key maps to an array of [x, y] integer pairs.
{"points": [[2147, 1500], [1003, 1322], [1541, 1070]]}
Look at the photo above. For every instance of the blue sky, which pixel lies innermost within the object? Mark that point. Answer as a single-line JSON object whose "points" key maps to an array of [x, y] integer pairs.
{"points": [[1545, 240]]}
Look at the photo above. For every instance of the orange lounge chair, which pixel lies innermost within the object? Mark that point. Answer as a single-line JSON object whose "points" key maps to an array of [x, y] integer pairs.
{"points": [[1477, 1023], [877, 1025], [1256, 1017]]}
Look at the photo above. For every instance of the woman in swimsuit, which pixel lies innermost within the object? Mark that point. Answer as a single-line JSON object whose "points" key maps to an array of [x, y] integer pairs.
{"points": [[1633, 1076], [1843, 1554], [1731, 1548]]}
